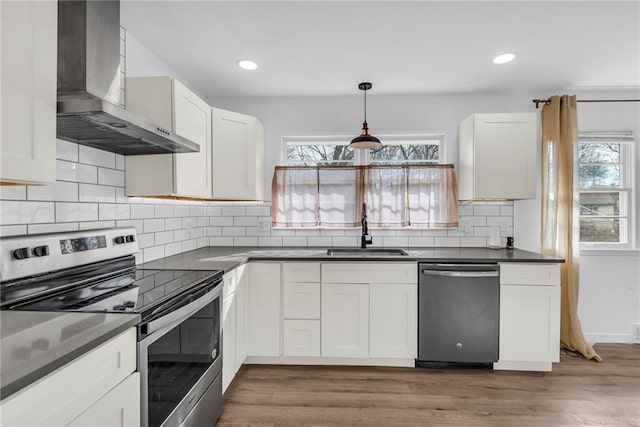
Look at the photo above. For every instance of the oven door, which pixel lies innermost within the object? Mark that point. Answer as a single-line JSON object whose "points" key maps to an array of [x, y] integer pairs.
{"points": [[180, 360]]}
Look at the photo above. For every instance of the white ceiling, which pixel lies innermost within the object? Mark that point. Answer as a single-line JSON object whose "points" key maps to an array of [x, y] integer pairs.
{"points": [[328, 47]]}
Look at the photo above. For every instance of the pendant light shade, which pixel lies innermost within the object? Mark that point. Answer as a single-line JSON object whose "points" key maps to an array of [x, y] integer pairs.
{"points": [[364, 140]]}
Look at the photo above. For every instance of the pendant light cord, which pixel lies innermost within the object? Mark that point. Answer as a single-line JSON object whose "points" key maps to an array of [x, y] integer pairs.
{"points": [[365, 105]]}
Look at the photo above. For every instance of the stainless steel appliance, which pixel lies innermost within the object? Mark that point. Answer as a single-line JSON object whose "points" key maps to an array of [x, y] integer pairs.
{"points": [[179, 336], [91, 81], [458, 313]]}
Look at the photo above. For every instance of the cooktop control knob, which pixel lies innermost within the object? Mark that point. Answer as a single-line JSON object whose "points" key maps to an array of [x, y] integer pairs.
{"points": [[119, 240], [129, 304], [39, 251], [20, 253], [130, 238]]}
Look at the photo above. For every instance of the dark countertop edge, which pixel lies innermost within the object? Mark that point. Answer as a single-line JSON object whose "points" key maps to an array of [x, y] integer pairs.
{"points": [[330, 258], [11, 388]]}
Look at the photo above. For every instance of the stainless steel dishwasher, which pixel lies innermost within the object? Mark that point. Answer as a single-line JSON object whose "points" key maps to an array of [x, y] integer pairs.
{"points": [[458, 311]]}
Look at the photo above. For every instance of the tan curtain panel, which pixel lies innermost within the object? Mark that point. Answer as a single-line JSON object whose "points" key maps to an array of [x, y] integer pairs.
{"points": [[396, 196], [560, 214]]}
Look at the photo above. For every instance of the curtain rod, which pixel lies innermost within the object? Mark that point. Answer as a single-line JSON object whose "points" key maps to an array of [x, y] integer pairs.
{"points": [[547, 101]]}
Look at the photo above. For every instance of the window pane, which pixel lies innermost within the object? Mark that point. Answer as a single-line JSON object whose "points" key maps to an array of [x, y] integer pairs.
{"points": [[409, 152], [599, 176], [314, 154], [598, 204], [601, 152], [595, 230]]}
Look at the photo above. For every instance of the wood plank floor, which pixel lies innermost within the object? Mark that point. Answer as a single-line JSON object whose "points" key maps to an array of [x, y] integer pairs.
{"points": [[577, 393]]}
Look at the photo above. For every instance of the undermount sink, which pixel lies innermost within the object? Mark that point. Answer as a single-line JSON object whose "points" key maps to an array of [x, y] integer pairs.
{"points": [[366, 252]]}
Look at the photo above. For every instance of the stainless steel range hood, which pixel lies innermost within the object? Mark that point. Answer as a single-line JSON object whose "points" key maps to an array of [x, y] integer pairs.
{"points": [[90, 85]]}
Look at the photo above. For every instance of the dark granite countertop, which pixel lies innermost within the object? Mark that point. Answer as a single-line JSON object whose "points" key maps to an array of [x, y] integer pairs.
{"points": [[228, 258], [35, 343]]}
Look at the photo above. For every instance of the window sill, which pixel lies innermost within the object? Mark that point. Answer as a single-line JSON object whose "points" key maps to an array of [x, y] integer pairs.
{"points": [[609, 252]]}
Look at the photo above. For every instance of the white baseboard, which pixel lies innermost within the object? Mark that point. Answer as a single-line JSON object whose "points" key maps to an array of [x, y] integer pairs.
{"points": [[609, 338]]}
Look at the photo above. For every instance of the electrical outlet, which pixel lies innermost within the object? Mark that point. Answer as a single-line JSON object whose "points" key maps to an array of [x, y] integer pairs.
{"points": [[264, 225]]}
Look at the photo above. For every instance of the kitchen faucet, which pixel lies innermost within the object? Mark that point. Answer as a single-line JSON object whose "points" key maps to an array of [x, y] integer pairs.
{"points": [[365, 229]]}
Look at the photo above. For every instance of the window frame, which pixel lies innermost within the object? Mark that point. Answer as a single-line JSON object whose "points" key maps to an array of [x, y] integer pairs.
{"points": [[626, 189], [362, 157]]}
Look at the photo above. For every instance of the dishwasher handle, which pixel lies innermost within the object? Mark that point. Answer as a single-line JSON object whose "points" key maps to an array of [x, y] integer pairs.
{"points": [[449, 273]]}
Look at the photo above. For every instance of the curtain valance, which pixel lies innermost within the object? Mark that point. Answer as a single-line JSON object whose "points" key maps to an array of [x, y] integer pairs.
{"points": [[396, 196]]}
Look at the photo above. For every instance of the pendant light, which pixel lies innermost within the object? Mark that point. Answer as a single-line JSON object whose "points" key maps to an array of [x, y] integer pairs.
{"points": [[365, 140]]}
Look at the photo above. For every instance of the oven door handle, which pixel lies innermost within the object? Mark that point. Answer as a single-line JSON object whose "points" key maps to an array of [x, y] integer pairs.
{"points": [[178, 316]]}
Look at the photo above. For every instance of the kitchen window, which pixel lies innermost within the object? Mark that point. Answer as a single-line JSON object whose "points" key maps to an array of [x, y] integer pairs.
{"points": [[605, 178], [324, 183]]}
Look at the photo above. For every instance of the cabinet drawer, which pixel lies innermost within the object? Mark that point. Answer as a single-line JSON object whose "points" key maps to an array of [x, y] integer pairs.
{"points": [[301, 272], [530, 274], [65, 393], [301, 300], [301, 338], [366, 272]]}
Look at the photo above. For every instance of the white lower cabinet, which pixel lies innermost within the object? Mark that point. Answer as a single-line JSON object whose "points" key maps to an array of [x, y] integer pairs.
{"points": [[529, 316], [241, 316], [393, 320], [228, 340], [345, 320], [120, 407], [72, 391], [301, 337], [264, 317]]}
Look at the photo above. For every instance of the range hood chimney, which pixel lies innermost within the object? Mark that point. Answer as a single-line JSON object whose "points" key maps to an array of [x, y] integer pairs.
{"points": [[90, 97]]}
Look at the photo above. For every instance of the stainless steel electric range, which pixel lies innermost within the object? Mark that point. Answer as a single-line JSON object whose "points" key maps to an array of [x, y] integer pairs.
{"points": [[179, 336]]}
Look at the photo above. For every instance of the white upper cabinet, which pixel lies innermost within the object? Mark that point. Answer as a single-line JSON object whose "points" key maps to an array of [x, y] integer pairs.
{"points": [[497, 156], [168, 103], [28, 131], [238, 156]]}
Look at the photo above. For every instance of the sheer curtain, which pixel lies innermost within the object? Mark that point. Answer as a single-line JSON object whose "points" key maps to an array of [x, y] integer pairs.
{"points": [[560, 220], [396, 196]]}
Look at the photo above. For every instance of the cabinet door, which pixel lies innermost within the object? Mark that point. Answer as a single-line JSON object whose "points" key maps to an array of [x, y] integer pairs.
{"points": [[235, 155], [529, 323], [301, 338], [28, 131], [345, 320], [301, 300], [192, 120], [119, 407], [505, 153], [241, 316], [393, 320], [263, 336], [228, 340]]}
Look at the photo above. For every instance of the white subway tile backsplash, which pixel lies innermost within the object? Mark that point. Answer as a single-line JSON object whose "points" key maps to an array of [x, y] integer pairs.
{"points": [[499, 221], [66, 150], [202, 242], [234, 211], [221, 221], [308, 232], [172, 223], [465, 210], [506, 211], [259, 210], [270, 241], [197, 232], [196, 211], [221, 241], [181, 210], [13, 192], [173, 249], [285, 232], [345, 241], [92, 156], [146, 240], [152, 253], [294, 241], [121, 197], [163, 237], [250, 221], [120, 162], [492, 210], [245, 241], [480, 242], [324, 242], [421, 242], [138, 224], [447, 241], [202, 221], [325, 232], [90, 225], [213, 211], [97, 193], [57, 192], [13, 230], [114, 211], [214, 231], [434, 233], [52, 228], [234, 231], [409, 232], [180, 235], [189, 245], [76, 172], [68, 212], [162, 211], [142, 211], [18, 212], [153, 225], [393, 241], [110, 177]]}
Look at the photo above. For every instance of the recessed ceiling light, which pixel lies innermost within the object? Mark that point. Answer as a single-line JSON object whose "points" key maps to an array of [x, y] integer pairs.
{"points": [[247, 64], [504, 58]]}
